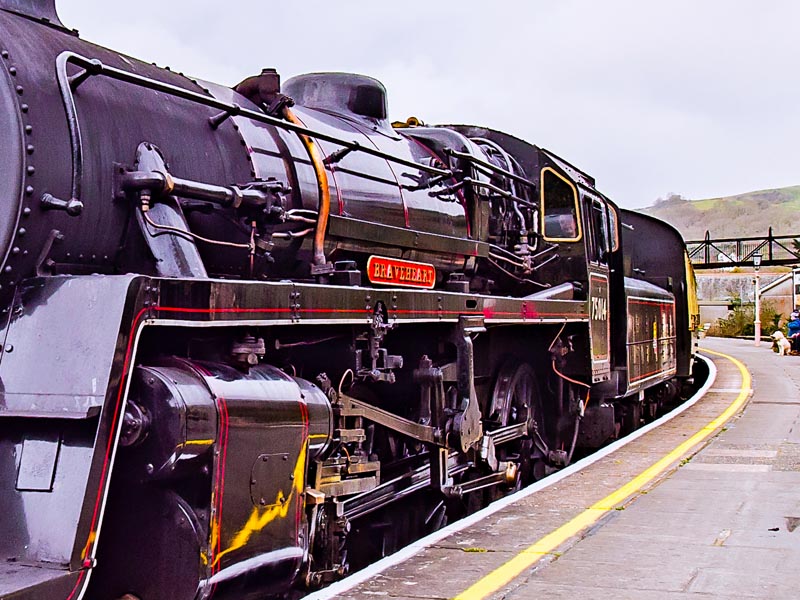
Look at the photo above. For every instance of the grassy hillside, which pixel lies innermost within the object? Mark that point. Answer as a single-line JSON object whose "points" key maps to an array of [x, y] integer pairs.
{"points": [[745, 215]]}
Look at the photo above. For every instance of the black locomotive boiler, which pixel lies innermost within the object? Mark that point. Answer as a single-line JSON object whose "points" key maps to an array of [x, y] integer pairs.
{"points": [[254, 337]]}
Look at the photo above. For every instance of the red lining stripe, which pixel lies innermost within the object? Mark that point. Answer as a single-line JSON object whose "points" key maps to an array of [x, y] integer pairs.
{"points": [[661, 340], [238, 310], [219, 476], [81, 575], [531, 314], [656, 372], [112, 430], [222, 406], [112, 436], [303, 448], [653, 302]]}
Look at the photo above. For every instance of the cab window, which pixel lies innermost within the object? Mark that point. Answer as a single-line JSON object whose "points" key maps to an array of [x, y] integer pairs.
{"points": [[601, 244], [559, 208], [613, 225]]}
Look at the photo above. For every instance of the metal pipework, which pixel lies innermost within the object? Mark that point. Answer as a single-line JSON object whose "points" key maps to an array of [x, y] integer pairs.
{"points": [[493, 188], [490, 167], [322, 186], [508, 160], [162, 183]]}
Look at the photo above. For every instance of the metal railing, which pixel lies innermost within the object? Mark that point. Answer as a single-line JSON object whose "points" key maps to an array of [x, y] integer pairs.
{"points": [[739, 252]]}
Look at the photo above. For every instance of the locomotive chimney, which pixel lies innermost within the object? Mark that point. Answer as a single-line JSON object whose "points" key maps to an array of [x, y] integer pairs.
{"points": [[42, 10]]}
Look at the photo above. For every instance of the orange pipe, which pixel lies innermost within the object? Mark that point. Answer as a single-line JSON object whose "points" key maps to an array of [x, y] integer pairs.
{"points": [[322, 185]]}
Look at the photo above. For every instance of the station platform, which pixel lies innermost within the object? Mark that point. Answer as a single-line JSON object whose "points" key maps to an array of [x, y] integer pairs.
{"points": [[706, 505]]}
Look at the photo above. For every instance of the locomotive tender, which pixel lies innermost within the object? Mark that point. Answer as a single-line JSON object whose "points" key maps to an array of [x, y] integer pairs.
{"points": [[253, 337]]}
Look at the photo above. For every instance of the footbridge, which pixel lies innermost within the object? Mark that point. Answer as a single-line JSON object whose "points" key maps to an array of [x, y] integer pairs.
{"points": [[769, 250]]}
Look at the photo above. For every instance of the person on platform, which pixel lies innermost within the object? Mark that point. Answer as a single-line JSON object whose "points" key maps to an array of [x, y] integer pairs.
{"points": [[793, 331]]}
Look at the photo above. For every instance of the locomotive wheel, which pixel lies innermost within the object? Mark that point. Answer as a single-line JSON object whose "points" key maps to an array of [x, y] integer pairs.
{"points": [[631, 417], [516, 399]]}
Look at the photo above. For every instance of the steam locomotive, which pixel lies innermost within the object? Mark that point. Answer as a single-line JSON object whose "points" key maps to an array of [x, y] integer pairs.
{"points": [[253, 337]]}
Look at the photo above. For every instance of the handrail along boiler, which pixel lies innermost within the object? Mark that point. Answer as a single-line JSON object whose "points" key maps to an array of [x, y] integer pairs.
{"points": [[255, 337]]}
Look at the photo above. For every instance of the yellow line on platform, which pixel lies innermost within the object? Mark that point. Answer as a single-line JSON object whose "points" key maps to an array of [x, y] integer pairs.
{"points": [[546, 545]]}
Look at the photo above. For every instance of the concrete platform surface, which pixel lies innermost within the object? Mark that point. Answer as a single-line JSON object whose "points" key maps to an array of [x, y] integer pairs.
{"points": [[722, 521]]}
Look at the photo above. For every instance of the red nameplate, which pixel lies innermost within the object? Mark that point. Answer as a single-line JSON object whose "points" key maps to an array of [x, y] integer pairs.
{"points": [[405, 273]]}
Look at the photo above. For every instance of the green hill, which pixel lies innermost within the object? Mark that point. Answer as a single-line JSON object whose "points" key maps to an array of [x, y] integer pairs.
{"points": [[743, 215]]}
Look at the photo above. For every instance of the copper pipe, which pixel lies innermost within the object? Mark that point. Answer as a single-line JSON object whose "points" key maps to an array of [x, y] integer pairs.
{"points": [[322, 186]]}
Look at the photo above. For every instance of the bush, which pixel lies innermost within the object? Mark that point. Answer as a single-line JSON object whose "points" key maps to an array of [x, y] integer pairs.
{"points": [[740, 322]]}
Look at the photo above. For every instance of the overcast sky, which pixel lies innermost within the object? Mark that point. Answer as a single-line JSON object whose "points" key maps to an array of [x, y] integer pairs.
{"points": [[700, 98]]}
